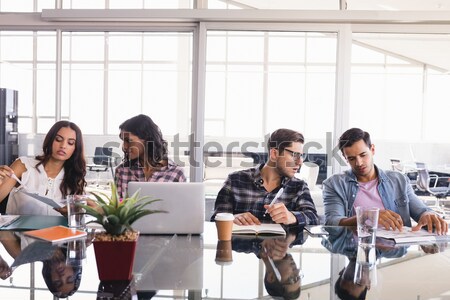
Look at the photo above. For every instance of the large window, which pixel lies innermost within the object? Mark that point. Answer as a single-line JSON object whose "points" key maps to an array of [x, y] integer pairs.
{"points": [[397, 91], [106, 78], [259, 81], [390, 78]]}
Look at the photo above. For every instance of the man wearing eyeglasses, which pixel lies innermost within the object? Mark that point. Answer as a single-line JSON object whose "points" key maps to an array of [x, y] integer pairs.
{"points": [[269, 193], [368, 186]]}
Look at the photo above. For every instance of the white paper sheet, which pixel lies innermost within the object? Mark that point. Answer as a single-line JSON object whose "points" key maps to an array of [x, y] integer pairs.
{"points": [[43, 199]]}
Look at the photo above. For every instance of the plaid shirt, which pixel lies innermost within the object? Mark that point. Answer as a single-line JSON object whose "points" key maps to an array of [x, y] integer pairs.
{"points": [[169, 173], [242, 192]]}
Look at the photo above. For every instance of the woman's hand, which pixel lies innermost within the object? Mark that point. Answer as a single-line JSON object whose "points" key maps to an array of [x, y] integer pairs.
{"points": [[5, 173]]}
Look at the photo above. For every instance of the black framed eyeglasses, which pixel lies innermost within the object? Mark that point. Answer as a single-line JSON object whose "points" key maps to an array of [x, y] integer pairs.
{"points": [[296, 155], [294, 278]]}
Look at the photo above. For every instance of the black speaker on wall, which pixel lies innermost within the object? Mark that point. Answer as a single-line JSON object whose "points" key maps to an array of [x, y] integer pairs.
{"points": [[9, 139]]}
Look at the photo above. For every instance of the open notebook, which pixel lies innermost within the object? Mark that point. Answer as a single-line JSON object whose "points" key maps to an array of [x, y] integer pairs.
{"points": [[183, 201]]}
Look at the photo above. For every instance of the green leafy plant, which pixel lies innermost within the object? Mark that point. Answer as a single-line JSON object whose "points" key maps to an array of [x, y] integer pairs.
{"points": [[116, 214]]}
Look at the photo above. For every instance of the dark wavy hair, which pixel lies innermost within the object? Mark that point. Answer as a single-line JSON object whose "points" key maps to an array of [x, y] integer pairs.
{"points": [[353, 135], [58, 257], [144, 128], [278, 289], [282, 138], [75, 167]]}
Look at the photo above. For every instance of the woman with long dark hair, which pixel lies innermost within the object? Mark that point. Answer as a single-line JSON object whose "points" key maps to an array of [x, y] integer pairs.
{"points": [[145, 155], [57, 172]]}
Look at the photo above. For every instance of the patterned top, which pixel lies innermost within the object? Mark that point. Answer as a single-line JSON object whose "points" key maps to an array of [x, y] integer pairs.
{"points": [[243, 192], [125, 174]]}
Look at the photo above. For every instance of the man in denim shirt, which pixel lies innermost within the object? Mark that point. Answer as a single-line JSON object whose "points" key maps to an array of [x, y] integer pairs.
{"points": [[367, 185]]}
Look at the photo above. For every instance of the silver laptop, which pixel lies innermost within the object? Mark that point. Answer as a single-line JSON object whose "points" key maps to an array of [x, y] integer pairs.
{"points": [[183, 201]]}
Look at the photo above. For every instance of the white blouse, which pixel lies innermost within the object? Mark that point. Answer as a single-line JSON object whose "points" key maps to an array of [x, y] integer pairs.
{"points": [[36, 182]]}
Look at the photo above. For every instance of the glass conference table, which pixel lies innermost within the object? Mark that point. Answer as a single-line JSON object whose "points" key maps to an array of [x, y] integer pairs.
{"points": [[299, 266]]}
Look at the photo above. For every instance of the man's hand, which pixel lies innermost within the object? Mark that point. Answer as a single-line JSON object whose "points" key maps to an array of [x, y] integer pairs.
{"points": [[390, 220], [280, 214], [434, 248], [430, 219], [246, 219], [275, 248]]}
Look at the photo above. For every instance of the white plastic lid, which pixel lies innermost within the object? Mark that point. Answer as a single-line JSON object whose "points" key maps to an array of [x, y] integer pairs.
{"points": [[224, 217]]}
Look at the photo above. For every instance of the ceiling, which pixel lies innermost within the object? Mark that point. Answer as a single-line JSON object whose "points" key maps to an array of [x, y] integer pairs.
{"points": [[430, 49], [392, 5]]}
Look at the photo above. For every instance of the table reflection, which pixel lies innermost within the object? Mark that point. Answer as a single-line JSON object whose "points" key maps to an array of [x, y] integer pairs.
{"points": [[247, 267], [61, 264], [360, 274], [282, 277]]}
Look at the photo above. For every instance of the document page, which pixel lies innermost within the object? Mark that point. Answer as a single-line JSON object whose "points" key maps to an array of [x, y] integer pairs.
{"points": [[43, 199], [409, 236]]}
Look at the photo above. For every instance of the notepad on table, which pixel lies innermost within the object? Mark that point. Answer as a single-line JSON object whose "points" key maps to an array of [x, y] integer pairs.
{"points": [[408, 236], [262, 229], [56, 234]]}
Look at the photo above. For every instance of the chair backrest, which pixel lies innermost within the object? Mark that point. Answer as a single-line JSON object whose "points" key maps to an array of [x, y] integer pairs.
{"points": [[309, 173], [396, 165], [423, 180], [421, 165], [103, 156], [220, 167]]}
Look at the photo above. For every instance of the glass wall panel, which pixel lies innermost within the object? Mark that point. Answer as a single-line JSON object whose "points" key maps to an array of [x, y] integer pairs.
{"points": [[436, 108], [78, 4], [19, 76], [146, 73], [83, 46], [82, 100], [279, 4], [16, 46], [257, 82], [398, 5], [46, 46], [45, 90], [16, 6], [17, 71], [392, 95]]}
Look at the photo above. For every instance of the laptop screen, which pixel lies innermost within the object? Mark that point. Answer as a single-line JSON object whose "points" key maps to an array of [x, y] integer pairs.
{"points": [[183, 203]]}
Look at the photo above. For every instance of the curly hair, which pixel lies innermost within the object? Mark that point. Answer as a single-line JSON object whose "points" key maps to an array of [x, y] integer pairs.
{"points": [[144, 128], [58, 257], [75, 167]]}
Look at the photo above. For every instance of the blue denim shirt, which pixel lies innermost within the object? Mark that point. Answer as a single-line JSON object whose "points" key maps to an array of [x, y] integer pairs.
{"points": [[339, 193]]}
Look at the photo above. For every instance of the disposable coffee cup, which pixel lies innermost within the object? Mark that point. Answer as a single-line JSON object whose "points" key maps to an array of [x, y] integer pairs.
{"points": [[224, 224], [224, 253]]}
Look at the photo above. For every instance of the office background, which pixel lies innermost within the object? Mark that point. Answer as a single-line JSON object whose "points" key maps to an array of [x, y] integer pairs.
{"points": [[230, 72]]}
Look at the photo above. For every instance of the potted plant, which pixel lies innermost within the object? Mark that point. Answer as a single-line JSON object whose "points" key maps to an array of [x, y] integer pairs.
{"points": [[115, 247]]}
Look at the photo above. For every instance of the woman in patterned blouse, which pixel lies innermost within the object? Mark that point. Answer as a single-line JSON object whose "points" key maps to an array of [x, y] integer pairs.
{"points": [[145, 155]]}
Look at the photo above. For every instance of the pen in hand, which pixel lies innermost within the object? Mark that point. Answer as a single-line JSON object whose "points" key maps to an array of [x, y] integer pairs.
{"points": [[13, 176], [280, 191], [275, 269]]}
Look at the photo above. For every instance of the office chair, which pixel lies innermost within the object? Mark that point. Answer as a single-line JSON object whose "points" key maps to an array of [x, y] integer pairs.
{"points": [[439, 192], [396, 165], [309, 172], [103, 160]]}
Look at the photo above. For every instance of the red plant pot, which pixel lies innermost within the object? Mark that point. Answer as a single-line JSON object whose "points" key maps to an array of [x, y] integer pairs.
{"points": [[115, 259]]}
